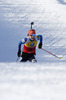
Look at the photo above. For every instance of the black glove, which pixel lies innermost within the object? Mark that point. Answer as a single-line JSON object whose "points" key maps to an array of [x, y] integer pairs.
{"points": [[19, 53], [40, 45]]}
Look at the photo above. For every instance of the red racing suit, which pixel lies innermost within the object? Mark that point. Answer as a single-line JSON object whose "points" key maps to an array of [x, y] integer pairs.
{"points": [[30, 45]]}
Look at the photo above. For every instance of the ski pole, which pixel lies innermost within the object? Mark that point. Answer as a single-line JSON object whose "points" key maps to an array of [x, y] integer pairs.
{"points": [[51, 53]]}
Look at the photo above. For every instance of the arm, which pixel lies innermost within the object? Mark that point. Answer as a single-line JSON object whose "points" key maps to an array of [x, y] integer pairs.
{"points": [[21, 42], [39, 37], [19, 46]]}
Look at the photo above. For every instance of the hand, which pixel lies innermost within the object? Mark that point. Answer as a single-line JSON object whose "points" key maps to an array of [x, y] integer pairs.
{"points": [[40, 45], [19, 53]]}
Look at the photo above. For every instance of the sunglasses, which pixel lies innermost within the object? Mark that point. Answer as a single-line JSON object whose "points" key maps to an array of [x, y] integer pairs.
{"points": [[32, 35]]}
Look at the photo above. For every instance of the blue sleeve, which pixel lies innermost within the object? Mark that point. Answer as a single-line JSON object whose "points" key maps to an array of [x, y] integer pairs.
{"points": [[39, 37], [21, 42]]}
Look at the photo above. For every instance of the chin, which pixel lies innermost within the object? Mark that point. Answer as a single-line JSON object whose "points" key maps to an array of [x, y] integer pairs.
{"points": [[33, 38]]}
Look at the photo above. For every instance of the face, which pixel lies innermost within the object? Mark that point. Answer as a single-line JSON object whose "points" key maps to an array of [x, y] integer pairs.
{"points": [[32, 37]]}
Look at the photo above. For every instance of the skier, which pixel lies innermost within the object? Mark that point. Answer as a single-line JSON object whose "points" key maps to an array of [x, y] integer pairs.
{"points": [[29, 48]]}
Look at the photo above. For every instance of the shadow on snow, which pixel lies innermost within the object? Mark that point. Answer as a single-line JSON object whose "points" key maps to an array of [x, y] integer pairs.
{"points": [[62, 2]]}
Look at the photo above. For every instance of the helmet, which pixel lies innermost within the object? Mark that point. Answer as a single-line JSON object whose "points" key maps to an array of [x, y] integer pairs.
{"points": [[32, 31]]}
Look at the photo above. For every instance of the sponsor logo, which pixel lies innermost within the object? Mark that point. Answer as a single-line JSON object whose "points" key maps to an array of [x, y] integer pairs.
{"points": [[32, 44]]}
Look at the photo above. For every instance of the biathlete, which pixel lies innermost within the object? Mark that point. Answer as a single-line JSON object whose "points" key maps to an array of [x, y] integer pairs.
{"points": [[29, 48]]}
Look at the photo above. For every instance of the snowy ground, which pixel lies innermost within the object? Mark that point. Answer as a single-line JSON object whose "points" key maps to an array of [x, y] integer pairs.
{"points": [[46, 79], [49, 17], [32, 81]]}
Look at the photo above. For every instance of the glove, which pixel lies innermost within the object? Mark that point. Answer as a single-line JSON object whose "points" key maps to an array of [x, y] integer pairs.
{"points": [[19, 53], [40, 45]]}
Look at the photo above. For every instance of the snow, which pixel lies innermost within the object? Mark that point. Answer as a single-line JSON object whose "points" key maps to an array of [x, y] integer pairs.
{"points": [[49, 17], [35, 81], [46, 79]]}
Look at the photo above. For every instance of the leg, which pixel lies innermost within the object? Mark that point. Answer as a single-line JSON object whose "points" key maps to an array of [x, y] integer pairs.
{"points": [[32, 59], [24, 57], [23, 60]]}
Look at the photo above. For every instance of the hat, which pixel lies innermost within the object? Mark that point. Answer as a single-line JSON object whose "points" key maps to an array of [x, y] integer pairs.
{"points": [[32, 31]]}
